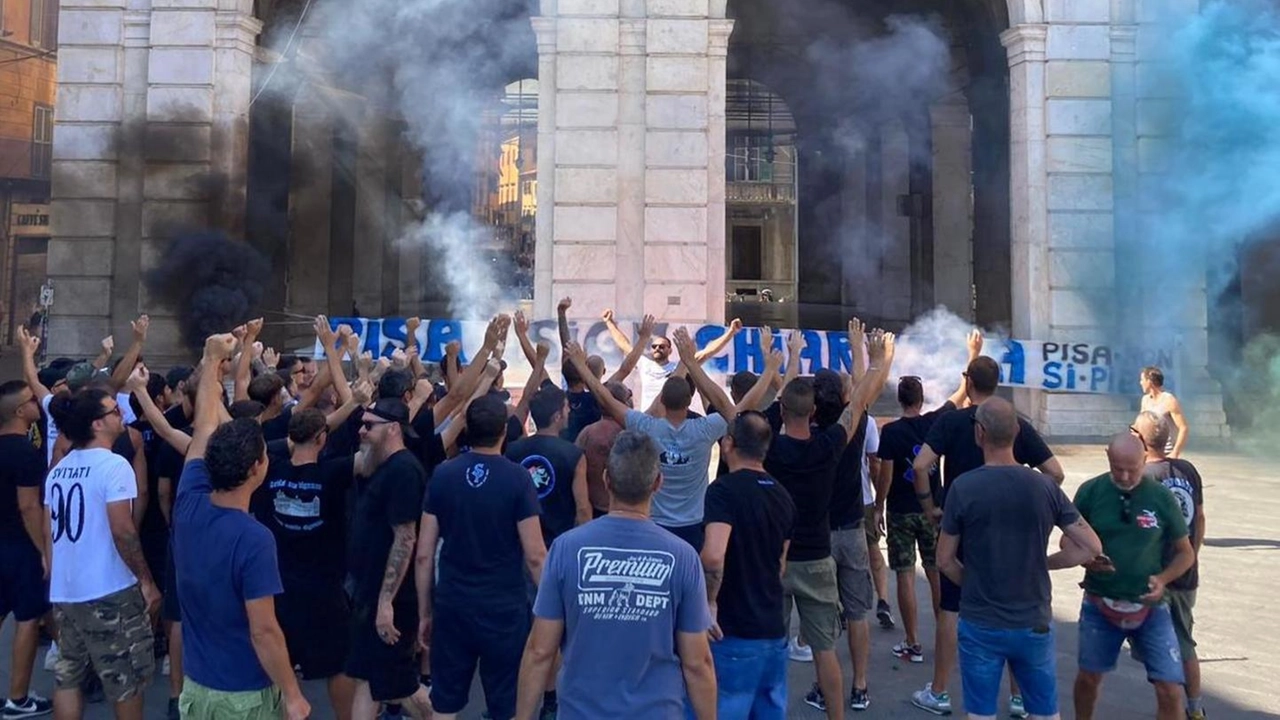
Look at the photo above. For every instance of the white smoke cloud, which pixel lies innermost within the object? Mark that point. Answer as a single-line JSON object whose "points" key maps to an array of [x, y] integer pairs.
{"points": [[933, 349]]}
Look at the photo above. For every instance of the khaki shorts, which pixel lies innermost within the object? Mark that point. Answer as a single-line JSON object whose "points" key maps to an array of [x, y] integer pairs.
{"points": [[1181, 605], [906, 532], [869, 524], [198, 702], [853, 573], [110, 635], [811, 584]]}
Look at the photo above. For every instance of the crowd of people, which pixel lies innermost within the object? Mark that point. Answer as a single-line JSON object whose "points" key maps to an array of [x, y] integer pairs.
{"points": [[393, 527]]}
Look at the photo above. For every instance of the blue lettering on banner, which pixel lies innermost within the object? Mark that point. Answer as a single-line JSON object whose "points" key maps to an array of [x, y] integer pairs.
{"points": [[1045, 365]]}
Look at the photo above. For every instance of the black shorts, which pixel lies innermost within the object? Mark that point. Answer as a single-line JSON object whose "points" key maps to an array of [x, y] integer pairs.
{"points": [[23, 590], [463, 638], [170, 610], [950, 595], [695, 535], [316, 622], [390, 670]]}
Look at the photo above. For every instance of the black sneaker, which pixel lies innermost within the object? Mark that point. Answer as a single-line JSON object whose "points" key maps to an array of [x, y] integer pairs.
{"points": [[815, 700], [174, 713], [33, 706], [859, 700], [883, 614]]}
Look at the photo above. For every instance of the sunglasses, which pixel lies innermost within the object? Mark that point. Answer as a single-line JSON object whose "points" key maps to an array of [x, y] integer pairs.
{"points": [[369, 425], [1126, 509], [661, 346], [108, 413]]}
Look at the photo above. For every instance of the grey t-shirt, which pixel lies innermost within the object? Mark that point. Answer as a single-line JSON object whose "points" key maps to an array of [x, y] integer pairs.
{"points": [[1003, 516], [619, 583], [686, 458]]}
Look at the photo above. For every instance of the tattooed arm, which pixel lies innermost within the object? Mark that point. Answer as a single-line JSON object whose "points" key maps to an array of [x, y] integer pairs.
{"points": [[402, 546], [125, 535]]}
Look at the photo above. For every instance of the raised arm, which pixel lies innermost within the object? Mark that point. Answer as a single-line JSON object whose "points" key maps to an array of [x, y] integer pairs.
{"points": [[795, 343], [333, 359], [461, 389], [104, 358], [562, 320], [210, 412], [717, 346], [140, 328], [974, 343], [860, 397], [361, 394], [755, 397], [520, 324], [622, 341], [137, 386], [538, 371], [411, 347], [609, 404], [633, 357], [30, 344], [248, 335], [686, 348], [857, 349]]}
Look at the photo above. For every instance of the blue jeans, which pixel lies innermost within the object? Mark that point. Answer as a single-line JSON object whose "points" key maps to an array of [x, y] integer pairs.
{"points": [[984, 652], [751, 678], [1154, 641]]}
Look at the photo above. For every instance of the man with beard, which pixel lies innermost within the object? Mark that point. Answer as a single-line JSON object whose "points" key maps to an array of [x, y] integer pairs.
{"points": [[658, 365]]}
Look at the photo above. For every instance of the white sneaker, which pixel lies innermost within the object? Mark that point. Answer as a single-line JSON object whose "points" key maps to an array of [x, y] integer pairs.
{"points": [[164, 666], [51, 657], [798, 652]]}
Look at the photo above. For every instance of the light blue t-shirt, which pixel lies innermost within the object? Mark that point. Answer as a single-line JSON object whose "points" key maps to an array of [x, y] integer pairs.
{"points": [[686, 457], [619, 583]]}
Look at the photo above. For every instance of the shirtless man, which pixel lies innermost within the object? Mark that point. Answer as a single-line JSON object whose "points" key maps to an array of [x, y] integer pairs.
{"points": [[1156, 399]]}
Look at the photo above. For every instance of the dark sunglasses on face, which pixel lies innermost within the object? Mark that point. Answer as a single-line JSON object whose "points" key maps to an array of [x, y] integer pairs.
{"points": [[370, 425]]}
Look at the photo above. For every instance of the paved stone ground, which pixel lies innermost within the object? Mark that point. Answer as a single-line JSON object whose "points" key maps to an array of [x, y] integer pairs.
{"points": [[1236, 631]]}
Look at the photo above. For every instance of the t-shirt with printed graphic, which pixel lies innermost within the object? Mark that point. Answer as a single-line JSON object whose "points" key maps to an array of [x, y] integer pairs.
{"points": [[478, 500], [85, 563], [1183, 480], [622, 583], [900, 443], [392, 496], [305, 508], [686, 459], [551, 463], [1137, 529], [21, 466]]}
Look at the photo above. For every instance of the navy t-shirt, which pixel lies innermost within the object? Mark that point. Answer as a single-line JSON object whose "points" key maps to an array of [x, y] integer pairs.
{"points": [[21, 465], [478, 500], [551, 464], [583, 411], [224, 558]]}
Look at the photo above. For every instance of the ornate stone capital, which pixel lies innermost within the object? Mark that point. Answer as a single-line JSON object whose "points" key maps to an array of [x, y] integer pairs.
{"points": [[238, 31], [544, 29], [1025, 43], [718, 37]]}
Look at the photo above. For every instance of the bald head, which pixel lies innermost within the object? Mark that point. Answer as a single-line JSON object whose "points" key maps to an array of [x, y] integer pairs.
{"points": [[596, 364], [999, 423], [1154, 433], [1127, 458]]}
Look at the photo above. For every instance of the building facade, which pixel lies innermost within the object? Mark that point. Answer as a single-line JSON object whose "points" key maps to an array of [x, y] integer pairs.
{"points": [[693, 159]]}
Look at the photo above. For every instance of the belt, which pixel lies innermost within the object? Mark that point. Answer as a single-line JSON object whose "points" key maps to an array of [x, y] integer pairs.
{"points": [[852, 525]]}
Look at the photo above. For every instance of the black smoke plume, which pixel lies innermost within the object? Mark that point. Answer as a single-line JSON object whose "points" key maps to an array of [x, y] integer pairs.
{"points": [[213, 282]]}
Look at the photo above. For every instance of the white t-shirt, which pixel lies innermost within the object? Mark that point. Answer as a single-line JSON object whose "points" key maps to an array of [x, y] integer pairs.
{"points": [[126, 408], [652, 377], [870, 445], [85, 564], [51, 429]]}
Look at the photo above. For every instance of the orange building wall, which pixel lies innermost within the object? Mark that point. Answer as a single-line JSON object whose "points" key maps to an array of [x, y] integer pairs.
{"points": [[24, 82]]}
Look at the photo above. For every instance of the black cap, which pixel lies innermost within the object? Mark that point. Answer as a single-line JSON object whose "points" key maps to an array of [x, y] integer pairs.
{"points": [[394, 410]]}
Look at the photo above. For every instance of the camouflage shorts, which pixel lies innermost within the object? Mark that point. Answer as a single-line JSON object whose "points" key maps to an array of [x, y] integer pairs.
{"points": [[906, 531], [110, 635]]}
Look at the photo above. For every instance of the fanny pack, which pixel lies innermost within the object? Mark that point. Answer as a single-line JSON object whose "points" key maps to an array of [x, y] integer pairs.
{"points": [[1123, 614]]}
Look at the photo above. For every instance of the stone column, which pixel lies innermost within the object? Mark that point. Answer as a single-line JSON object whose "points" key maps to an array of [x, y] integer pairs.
{"points": [[630, 253], [233, 51], [953, 206], [893, 243], [309, 205], [1028, 211], [91, 72], [544, 304], [371, 215], [717, 97]]}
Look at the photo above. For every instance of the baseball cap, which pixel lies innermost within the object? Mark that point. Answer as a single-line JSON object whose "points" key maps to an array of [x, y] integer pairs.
{"points": [[393, 410], [54, 373], [80, 375]]}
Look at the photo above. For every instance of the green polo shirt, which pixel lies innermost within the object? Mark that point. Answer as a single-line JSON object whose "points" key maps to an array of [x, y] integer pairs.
{"points": [[1135, 539]]}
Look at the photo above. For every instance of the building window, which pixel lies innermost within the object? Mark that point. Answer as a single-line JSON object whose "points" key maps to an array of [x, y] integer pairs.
{"points": [[750, 158], [748, 252], [44, 23], [42, 142]]}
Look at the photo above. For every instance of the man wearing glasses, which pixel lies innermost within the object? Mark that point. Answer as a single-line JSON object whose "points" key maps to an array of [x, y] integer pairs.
{"points": [[1146, 547], [658, 364]]}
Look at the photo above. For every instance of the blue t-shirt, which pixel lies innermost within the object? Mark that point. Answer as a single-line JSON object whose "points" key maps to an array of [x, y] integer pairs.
{"points": [[620, 583], [224, 558], [478, 500], [686, 460]]}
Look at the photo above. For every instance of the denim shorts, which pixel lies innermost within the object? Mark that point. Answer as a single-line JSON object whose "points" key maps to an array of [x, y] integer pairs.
{"points": [[751, 678], [1154, 641], [984, 652]]}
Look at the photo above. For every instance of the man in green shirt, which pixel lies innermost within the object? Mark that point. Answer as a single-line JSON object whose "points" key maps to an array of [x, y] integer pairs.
{"points": [[1140, 525]]}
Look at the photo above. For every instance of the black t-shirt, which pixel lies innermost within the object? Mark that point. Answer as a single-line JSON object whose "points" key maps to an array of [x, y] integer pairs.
{"points": [[428, 448], [169, 462], [900, 442], [952, 438], [391, 497], [1183, 480], [848, 507], [551, 464], [277, 428], [123, 446], [305, 507], [515, 431], [807, 469], [21, 465], [153, 525], [1003, 516], [583, 411], [762, 516], [478, 500]]}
